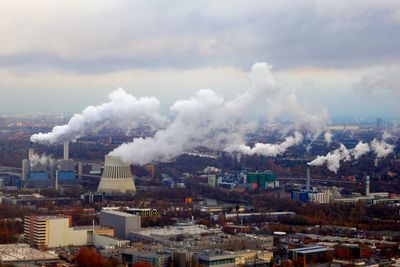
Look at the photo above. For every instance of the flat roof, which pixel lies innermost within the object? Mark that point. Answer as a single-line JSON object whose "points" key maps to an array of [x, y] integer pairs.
{"points": [[118, 213], [22, 252], [194, 229], [48, 217], [89, 227], [312, 249]]}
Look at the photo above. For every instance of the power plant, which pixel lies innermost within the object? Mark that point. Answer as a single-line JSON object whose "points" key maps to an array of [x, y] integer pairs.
{"points": [[39, 174], [117, 177]]}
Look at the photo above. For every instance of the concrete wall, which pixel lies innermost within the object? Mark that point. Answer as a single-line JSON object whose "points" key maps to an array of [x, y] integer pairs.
{"points": [[122, 224], [60, 234], [101, 241], [56, 232]]}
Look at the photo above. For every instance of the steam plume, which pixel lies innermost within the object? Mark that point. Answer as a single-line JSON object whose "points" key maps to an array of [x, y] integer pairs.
{"points": [[328, 137], [333, 159], [209, 120], [122, 110], [206, 119], [271, 150], [360, 149], [44, 160], [381, 148]]}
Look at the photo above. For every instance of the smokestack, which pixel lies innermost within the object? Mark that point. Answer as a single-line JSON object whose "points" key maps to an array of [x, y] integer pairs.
{"points": [[25, 169], [66, 150], [31, 151], [308, 179], [56, 181], [367, 185]]}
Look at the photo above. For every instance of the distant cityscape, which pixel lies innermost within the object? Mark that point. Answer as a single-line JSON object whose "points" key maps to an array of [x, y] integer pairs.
{"points": [[225, 133], [203, 208]]}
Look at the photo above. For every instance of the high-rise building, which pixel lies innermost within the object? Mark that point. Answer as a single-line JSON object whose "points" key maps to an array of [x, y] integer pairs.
{"points": [[116, 177], [46, 232]]}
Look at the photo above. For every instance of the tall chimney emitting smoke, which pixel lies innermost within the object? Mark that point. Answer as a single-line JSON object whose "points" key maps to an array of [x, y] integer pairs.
{"points": [[367, 185], [66, 150], [31, 151]]}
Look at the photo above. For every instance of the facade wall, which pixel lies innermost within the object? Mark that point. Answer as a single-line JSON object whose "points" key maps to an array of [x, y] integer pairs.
{"points": [[53, 232], [57, 230], [122, 224], [77, 237], [101, 241]]}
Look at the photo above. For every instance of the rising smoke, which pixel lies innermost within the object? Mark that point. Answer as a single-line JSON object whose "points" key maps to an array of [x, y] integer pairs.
{"points": [[43, 160], [123, 110], [205, 119], [328, 137], [333, 159], [269, 150]]}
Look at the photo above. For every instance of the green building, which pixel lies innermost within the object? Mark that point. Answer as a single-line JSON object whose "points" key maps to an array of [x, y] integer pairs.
{"points": [[261, 180]]}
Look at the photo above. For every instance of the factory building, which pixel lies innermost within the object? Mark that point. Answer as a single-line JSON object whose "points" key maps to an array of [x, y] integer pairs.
{"points": [[156, 259], [122, 222], [313, 254], [35, 174], [46, 232], [215, 258], [261, 180], [116, 177]]}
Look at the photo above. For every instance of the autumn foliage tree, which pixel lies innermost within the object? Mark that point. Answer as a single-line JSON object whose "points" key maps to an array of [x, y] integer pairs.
{"points": [[88, 257]]}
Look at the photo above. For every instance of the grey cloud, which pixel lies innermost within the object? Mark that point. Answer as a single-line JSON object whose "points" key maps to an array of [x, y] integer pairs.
{"points": [[143, 34]]}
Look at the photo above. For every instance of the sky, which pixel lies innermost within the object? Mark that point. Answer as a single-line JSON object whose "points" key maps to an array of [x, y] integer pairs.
{"points": [[60, 56]]}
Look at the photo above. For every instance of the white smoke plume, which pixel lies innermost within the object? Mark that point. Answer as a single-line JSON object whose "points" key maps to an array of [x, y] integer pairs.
{"points": [[209, 120], [206, 119], [122, 110], [332, 159], [44, 160], [381, 148], [386, 135], [328, 137], [270, 150], [360, 149]]}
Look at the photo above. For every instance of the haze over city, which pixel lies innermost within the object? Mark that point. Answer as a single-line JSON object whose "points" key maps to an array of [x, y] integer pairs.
{"points": [[195, 134]]}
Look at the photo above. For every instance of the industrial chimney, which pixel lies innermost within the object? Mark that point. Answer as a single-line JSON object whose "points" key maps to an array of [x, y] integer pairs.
{"points": [[66, 150], [367, 185], [116, 177], [31, 151], [308, 180]]}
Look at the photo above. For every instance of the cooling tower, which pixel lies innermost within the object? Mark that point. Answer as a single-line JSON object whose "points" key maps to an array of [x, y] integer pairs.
{"points": [[116, 177]]}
